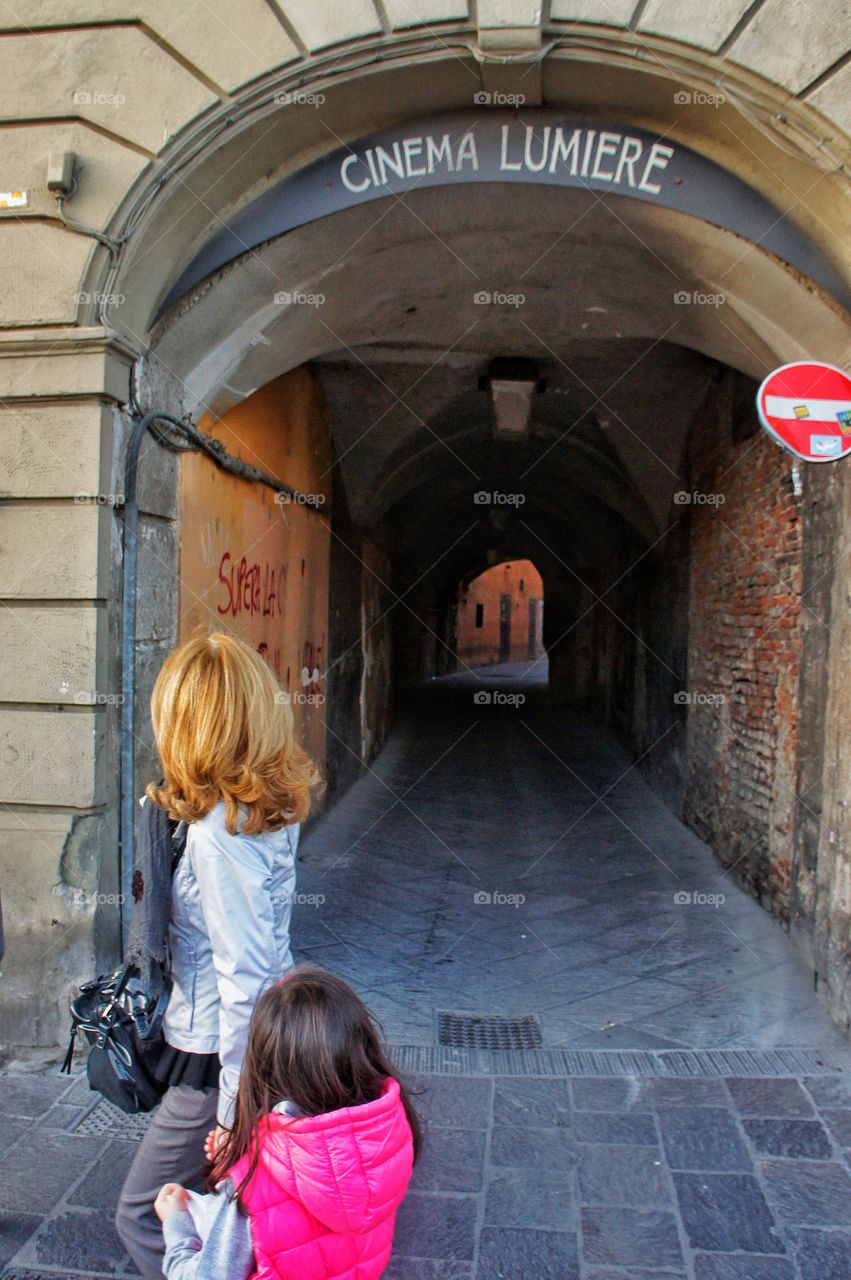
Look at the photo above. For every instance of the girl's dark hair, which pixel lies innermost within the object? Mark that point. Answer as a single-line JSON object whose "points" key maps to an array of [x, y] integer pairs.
{"points": [[313, 1041]]}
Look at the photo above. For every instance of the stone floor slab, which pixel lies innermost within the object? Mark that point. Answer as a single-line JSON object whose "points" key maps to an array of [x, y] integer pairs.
{"points": [[436, 1226], [822, 1255], [528, 1148], [453, 1101], [543, 1103], [625, 1175], [78, 1240], [29, 1096], [802, 1139], [761, 1097], [628, 1274], [829, 1091], [630, 1236], [606, 1273], [714, 1266], [426, 1269], [452, 1160], [809, 1192], [726, 1213], [611, 1095], [705, 1138], [521, 1254], [838, 1121], [15, 1230], [598, 1126], [530, 1198], [38, 1172]]}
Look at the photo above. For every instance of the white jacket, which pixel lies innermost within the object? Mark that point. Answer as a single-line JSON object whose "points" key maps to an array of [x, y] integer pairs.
{"points": [[229, 937]]}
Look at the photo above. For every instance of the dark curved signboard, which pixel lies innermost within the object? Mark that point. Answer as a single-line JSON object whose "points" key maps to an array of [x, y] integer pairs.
{"points": [[538, 146]]}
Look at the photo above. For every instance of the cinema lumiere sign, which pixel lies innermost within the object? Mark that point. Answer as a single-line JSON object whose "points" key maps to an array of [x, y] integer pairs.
{"points": [[500, 147]]}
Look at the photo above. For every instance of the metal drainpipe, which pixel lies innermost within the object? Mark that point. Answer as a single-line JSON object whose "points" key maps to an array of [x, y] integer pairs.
{"points": [[127, 821], [197, 441]]}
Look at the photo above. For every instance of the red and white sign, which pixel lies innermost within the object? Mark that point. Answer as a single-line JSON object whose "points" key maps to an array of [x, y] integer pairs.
{"points": [[806, 407]]}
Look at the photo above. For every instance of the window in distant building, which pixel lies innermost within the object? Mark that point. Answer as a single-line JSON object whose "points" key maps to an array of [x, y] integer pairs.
{"points": [[480, 615]]}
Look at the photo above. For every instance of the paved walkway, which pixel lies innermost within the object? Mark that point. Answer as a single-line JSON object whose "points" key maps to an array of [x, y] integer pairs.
{"points": [[682, 1108]]}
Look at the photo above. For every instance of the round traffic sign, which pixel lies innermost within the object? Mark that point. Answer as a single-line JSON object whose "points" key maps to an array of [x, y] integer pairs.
{"points": [[806, 407]]}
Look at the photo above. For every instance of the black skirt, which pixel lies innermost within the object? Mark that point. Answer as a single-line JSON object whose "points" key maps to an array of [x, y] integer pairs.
{"points": [[196, 1070]]}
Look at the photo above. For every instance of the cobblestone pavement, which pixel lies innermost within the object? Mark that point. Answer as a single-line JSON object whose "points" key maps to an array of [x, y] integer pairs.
{"points": [[685, 1108]]}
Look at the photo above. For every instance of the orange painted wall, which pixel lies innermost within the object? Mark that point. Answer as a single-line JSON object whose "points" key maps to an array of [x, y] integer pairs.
{"points": [[255, 566], [479, 646]]}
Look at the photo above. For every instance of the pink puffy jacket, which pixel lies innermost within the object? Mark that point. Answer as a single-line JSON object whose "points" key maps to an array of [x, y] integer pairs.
{"points": [[323, 1199]]}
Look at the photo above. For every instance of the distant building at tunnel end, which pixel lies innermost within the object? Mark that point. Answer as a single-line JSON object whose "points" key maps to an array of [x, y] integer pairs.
{"points": [[314, 231]]}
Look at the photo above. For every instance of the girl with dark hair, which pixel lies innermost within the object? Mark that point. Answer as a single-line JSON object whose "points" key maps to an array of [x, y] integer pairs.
{"points": [[306, 1184]]}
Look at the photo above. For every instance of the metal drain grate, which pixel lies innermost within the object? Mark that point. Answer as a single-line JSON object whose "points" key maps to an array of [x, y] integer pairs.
{"points": [[445, 1060], [480, 1031], [105, 1120]]}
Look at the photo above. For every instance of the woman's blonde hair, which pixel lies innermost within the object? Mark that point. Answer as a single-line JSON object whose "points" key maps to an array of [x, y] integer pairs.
{"points": [[224, 731]]}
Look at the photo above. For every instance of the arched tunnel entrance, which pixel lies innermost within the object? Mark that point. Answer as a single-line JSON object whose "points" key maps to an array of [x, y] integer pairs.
{"points": [[442, 291], [498, 614], [454, 398]]}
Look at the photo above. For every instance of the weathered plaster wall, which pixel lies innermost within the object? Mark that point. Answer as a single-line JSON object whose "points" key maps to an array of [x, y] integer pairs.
{"points": [[252, 561]]}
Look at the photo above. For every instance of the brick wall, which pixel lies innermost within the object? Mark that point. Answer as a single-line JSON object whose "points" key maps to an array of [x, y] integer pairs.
{"points": [[744, 646]]}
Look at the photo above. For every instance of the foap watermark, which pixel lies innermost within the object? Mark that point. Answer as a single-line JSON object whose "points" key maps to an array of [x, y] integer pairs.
{"points": [[80, 898], [485, 898], [299, 899], [485, 99], [299, 98], [698, 698], [298, 298], [684, 498], [694, 298], [85, 297], [686, 898], [96, 98], [93, 698], [285, 499], [302, 698], [100, 499], [494, 498], [698, 98], [486, 698], [497, 298]]}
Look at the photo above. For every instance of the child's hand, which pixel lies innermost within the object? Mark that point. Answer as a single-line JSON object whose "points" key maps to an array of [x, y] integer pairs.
{"points": [[213, 1141], [172, 1199]]}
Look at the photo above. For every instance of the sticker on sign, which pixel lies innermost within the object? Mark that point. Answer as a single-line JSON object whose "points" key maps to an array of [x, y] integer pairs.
{"points": [[806, 408]]}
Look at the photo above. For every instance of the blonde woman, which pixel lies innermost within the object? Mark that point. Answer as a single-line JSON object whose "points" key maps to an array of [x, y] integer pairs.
{"points": [[234, 773]]}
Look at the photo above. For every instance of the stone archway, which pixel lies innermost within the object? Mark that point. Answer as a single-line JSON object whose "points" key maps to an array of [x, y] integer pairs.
{"points": [[158, 171]]}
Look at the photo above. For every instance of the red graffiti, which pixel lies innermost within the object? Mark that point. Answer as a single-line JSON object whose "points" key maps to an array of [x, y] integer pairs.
{"points": [[272, 656], [251, 587]]}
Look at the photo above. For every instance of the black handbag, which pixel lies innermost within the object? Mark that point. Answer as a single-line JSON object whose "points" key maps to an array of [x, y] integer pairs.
{"points": [[123, 1024], [121, 1018]]}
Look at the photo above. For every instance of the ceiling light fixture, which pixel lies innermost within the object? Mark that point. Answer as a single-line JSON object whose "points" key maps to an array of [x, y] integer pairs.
{"points": [[511, 384]]}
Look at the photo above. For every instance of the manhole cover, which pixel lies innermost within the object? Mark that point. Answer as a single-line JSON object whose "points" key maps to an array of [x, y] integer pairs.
{"points": [[479, 1031]]}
